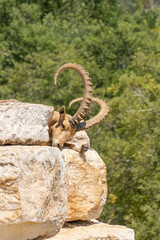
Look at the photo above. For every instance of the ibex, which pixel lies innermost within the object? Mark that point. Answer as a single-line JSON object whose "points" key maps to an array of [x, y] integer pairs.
{"points": [[63, 126]]}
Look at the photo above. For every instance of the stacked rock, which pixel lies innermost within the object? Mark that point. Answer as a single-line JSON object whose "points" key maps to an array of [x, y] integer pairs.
{"points": [[42, 187], [33, 189]]}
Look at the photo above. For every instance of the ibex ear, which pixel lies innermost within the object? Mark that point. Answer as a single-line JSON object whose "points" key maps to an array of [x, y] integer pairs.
{"points": [[62, 110], [61, 116], [62, 113]]}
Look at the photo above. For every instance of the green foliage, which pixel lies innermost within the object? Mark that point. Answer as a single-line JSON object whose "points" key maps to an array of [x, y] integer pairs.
{"points": [[118, 43], [130, 147]]}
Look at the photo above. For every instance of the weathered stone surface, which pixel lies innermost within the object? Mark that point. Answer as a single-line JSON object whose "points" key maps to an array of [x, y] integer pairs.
{"points": [[78, 140], [24, 123], [94, 230], [33, 197], [86, 184]]}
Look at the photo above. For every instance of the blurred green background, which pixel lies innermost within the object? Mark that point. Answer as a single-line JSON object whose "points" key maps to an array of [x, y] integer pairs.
{"points": [[118, 43]]}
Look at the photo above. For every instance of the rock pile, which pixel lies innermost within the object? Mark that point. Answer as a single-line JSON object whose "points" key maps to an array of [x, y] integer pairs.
{"points": [[42, 187]]}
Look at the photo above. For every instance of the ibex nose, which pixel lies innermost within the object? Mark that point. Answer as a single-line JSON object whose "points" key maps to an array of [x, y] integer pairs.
{"points": [[56, 143]]}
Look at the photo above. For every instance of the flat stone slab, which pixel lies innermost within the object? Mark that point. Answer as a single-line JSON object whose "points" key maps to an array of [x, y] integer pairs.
{"points": [[33, 192], [93, 230], [24, 123]]}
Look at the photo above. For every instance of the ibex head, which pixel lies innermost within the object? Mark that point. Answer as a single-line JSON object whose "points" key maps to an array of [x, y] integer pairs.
{"points": [[61, 130], [64, 126]]}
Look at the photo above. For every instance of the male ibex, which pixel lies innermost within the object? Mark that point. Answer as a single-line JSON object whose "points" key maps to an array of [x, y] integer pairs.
{"points": [[63, 126]]}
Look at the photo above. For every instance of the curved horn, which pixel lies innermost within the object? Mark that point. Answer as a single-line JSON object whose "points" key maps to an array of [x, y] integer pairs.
{"points": [[98, 118], [80, 114]]}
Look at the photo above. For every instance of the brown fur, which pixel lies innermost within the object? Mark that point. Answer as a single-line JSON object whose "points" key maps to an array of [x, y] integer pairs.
{"points": [[60, 129]]}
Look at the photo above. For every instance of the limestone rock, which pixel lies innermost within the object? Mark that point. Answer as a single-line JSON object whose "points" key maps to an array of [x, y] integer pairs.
{"points": [[94, 230], [24, 123], [33, 197], [78, 140], [86, 184]]}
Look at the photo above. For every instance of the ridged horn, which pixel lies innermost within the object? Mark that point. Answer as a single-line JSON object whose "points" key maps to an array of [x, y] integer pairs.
{"points": [[98, 118], [86, 100]]}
